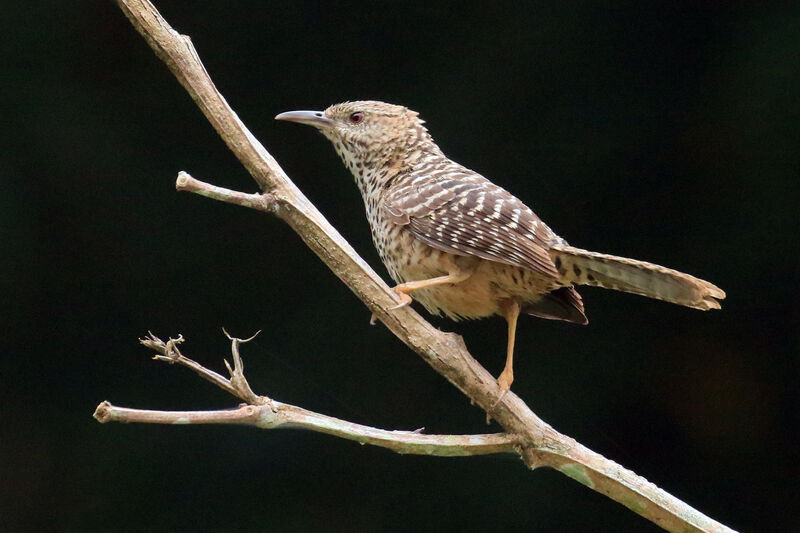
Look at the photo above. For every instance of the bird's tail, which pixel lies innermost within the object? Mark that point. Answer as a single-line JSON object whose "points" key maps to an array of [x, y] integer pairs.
{"points": [[583, 267]]}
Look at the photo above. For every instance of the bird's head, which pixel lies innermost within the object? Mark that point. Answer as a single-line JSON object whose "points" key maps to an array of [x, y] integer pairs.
{"points": [[366, 131]]}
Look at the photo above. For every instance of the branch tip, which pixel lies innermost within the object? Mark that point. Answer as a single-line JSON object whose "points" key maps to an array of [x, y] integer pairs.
{"points": [[237, 339], [183, 180], [103, 412]]}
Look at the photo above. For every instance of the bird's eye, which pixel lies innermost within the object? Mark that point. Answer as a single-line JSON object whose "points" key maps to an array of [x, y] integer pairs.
{"points": [[357, 117]]}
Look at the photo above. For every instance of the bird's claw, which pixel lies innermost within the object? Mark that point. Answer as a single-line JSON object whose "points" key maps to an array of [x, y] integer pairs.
{"points": [[405, 300], [504, 381], [500, 398]]}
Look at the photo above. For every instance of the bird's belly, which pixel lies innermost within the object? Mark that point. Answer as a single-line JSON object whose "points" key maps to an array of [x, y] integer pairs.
{"points": [[478, 296]]}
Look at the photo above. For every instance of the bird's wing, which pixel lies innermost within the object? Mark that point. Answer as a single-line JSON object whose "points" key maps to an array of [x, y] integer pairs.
{"points": [[474, 217]]}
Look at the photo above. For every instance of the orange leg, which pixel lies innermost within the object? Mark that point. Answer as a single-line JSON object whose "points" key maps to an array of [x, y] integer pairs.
{"points": [[403, 289], [511, 313]]}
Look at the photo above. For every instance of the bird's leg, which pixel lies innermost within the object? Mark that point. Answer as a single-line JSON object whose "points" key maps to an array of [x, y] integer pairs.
{"points": [[403, 289], [511, 310]]}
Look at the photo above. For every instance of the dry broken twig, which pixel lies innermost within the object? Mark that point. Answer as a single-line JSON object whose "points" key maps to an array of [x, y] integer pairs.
{"points": [[537, 443], [266, 413]]}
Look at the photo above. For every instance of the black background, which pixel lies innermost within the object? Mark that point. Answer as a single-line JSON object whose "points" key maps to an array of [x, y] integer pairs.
{"points": [[665, 131]]}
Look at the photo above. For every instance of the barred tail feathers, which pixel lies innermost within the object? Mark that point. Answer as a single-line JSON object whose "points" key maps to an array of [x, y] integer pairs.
{"points": [[583, 267]]}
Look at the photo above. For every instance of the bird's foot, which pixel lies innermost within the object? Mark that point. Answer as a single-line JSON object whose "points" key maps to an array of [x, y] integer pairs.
{"points": [[405, 300], [504, 381]]}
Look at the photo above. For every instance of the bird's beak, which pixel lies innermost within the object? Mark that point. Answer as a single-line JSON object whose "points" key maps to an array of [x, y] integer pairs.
{"points": [[311, 118]]}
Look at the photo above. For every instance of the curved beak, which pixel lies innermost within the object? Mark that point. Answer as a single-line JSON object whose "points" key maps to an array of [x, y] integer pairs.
{"points": [[311, 118]]}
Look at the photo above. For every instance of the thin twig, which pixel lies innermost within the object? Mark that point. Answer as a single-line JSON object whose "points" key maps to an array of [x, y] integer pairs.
{"points": [[538, 443], [260, 202], [238, 380], [168, 352]]}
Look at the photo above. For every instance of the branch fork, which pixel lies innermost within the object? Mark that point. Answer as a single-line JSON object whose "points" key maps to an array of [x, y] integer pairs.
{"points": [[265, 413]]}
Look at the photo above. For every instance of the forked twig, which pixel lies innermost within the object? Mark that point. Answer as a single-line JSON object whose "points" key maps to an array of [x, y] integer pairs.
{"points": [[266, 413]]}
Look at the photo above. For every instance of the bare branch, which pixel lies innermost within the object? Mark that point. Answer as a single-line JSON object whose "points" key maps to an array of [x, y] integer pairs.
{"points": [[538, 443], [260, 202], [266, 413], [167, 351], [289, 416]]}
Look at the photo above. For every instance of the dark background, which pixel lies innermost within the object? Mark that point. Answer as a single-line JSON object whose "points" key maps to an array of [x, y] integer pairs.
{"points": [[663, 131]]}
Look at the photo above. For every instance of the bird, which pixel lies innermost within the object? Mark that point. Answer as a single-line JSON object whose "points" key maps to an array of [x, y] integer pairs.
{"points": [[465, 247]]}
